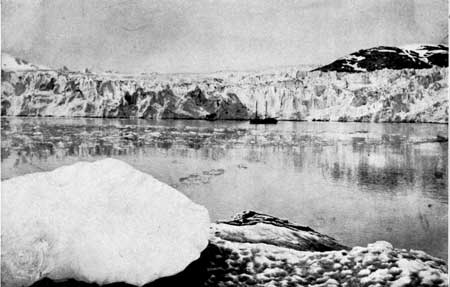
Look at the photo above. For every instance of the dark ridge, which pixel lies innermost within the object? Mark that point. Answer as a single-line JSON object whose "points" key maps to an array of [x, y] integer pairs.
{"points": [[317, 242], [385, 57], [251, 217]]}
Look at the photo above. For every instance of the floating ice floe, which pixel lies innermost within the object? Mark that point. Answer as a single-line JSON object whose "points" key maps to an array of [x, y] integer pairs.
{"points": [[99, 222]]}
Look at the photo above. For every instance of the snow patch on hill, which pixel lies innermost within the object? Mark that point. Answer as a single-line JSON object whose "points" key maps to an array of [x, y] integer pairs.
{"points": [[413, 56], [11, 63]]}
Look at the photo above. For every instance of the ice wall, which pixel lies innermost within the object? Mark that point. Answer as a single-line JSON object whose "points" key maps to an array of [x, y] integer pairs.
{"points": [[406, 95]]}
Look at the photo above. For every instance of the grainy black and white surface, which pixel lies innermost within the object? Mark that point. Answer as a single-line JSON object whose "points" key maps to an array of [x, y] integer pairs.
{"points": [[326, 119]]}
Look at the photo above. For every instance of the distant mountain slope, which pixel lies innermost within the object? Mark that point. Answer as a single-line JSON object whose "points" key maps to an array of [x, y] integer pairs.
{"points": [[11, 63], [416, 56]]}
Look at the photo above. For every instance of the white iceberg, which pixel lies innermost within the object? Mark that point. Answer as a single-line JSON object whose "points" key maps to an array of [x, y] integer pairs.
{"points": [[97, 222]]}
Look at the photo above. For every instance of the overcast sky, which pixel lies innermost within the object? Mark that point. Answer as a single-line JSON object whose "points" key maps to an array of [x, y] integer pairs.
{"points": [[210, 35]]}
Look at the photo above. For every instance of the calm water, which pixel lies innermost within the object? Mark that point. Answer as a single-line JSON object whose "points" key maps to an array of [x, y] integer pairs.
{"points": [[357, 182]]}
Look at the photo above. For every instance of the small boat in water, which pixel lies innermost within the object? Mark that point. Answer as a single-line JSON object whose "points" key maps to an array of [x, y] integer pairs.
{"points": [[265, 121], [441, 138], [211, 117]]}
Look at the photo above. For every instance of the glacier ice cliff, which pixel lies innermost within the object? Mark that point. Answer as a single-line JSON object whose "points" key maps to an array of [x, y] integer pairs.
{"points": [[406, 95], [99, 222]]}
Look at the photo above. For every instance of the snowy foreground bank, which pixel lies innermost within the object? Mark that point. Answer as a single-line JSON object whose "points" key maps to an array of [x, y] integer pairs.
{"points": [[106, 222]]}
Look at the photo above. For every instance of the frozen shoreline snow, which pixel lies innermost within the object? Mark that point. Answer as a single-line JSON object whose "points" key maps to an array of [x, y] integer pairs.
{"points": [[265, 262], [240, 261], [146, 231]]}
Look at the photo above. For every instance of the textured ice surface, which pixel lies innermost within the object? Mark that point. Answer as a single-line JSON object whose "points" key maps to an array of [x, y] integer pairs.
{"points": [[378, 264], [251, 255], [97, 222], [406, 95]]}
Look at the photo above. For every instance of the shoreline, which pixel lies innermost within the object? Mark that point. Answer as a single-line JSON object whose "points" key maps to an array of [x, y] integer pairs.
{"points": [[204, 120], [243, 252], [250, 249]]}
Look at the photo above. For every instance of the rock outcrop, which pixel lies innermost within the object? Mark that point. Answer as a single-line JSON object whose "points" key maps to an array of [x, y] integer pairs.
{"points": [[253, 227], [384, 57]]}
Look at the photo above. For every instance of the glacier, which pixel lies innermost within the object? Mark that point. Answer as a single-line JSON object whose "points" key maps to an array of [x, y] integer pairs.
{"points": [[99, 222], [406, 95]]}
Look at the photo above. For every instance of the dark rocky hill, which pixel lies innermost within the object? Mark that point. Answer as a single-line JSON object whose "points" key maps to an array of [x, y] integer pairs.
{"points": [[384, 57]]}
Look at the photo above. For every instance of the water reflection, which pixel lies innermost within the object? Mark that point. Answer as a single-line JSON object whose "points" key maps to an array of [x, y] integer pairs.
{"points": [[367, 159], [358, 182]]}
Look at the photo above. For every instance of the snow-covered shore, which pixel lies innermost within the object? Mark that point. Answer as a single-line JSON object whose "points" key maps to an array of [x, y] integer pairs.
{"points": [[407, 95], [258, 258], [244, 252], [88, 222]]}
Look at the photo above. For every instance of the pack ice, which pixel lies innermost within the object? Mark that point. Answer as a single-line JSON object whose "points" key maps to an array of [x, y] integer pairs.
{"points": [[97, 222]]}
